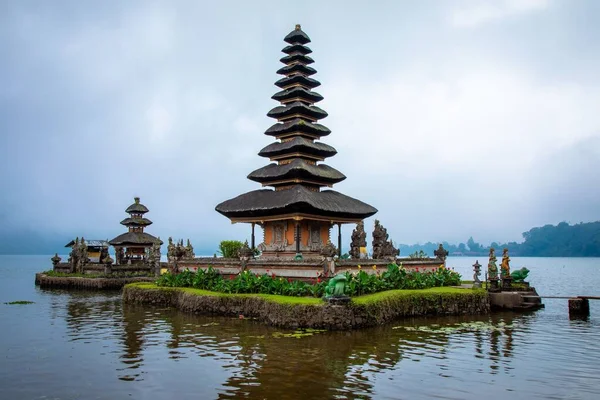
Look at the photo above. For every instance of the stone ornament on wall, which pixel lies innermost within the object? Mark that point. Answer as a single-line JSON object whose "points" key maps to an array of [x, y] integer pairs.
{"points": [[359, 241], [382, 247]]}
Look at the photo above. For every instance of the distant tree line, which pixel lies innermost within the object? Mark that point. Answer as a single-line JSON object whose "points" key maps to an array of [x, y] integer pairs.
{"points": [[562, 240]]}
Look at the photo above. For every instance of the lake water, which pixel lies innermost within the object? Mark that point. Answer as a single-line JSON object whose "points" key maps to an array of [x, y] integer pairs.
{"points": [[88, 345]]}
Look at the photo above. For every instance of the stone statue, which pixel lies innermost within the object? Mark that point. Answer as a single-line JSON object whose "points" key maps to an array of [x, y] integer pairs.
{"points": [[492, 268], [359, 239], [505, 266], [154, 257], [189, 250], [382, 247], [336, 287], [119, 255], [245, 253], [441, 253], [520, 275], [103, 255], [328, 252], [171, 250]]}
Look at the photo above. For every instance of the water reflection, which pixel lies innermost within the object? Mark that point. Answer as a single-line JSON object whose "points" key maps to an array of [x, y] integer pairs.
{"points": [[260, 362]]}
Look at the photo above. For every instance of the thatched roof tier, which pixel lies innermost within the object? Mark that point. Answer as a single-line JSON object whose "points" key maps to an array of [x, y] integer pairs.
{"points": [[297, 169], [298, 80], [89, 243], [296, 69], [295, 200], [136, 222], [297, 58], [297, 36], [299, 93], [300, 126], [297, 108], [135, 239], [137, 207], [298, 145], [297, 49]]}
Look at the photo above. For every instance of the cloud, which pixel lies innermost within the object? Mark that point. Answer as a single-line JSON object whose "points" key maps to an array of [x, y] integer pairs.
{"points": [[478, 12]]}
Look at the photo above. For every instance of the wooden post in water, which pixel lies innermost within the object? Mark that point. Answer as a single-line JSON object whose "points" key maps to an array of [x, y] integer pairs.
{"points": [[579, 307]]}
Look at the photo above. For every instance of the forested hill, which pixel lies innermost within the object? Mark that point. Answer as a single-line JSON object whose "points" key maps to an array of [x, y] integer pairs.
{"points": [[562, 240]]}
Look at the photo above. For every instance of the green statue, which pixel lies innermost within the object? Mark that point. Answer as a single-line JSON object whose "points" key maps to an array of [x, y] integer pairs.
{"points": [[336, 287], [520, 274]]}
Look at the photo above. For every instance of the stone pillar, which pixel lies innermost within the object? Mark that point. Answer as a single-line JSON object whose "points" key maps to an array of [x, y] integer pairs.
{"points": [[579, 307]]}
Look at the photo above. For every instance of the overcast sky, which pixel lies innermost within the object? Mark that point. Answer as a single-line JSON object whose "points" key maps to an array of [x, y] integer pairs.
{"points": [[452, 118]]}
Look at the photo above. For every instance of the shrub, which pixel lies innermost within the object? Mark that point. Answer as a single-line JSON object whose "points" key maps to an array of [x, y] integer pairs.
{"points": [[230, 248], [358, 283]]}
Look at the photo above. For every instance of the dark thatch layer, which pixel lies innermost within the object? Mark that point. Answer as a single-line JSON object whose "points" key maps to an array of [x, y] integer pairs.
{"points": [[136, 222], [297, 36], [298, 125], [134, 238], [298, 145], [297, 107], [296, 49], [299, 58], [298, 92], [299, 169], [137, 207], [297, 199], [299, 80], [296, 69]]}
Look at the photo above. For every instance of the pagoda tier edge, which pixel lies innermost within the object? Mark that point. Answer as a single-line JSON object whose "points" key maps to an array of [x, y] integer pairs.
{"points": [[297, 169], [266, 203]]}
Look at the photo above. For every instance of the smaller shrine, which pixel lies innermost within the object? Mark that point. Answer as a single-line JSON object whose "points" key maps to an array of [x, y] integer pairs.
{"points": [[95, 248], [135, 245]]}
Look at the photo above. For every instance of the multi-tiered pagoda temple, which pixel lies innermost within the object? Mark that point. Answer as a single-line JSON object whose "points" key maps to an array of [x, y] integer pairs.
{"points": [[132, 245], [296, 214]]}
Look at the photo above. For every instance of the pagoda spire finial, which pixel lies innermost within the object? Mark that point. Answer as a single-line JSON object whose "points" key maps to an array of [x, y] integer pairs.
{"points": [[137, 200], [298, 27]]}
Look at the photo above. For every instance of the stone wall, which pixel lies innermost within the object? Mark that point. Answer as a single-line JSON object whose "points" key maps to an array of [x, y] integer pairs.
{"points": [[388, 307], [95, 268], [301, 269], [45, 282]]}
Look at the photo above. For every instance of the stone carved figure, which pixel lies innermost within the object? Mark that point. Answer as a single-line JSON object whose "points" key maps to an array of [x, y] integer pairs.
{"points": [[328, 252], [154, 257], [382, 247], [171, 250], [119, 255], [359, 240], [103, 255], [245, 253], [505, 265], [441, 253], [492, 267], [314, 242], [189, 250]]}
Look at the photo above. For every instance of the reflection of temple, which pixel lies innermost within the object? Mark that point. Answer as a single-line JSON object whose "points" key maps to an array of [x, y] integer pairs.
{"points": [[297, 215], [134, 245]]}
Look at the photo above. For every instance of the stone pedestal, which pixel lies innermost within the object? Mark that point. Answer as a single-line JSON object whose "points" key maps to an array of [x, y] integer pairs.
{"points": [[338, 301], [507, 283], [579, 307], [493, 286]]}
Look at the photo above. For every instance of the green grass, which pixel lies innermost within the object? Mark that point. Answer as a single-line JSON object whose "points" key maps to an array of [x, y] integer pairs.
{"points": [[200, 292], [395, 294], [20, 302]]}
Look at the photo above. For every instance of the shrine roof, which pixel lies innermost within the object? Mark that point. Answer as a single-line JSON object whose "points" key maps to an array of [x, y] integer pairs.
{"points": [[299, 169], [297, 36], [136, 222], [297, 199], [135, 238], [137, 207], [300, 58], [296, 69], [90, 243], [297, 107], [298, 144], [298, 125], [297, 92], [297, 79]]}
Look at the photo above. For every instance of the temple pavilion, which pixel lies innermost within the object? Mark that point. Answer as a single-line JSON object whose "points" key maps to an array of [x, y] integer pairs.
{"points": [[131, 247], [294, 210]]}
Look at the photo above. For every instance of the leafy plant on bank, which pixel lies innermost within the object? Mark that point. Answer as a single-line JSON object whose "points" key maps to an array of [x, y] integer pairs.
{"points": [[358, 283], [230, 248]]}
